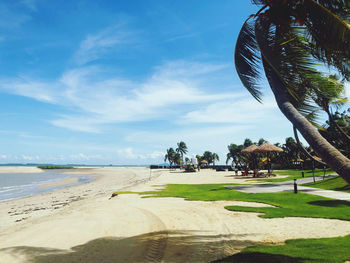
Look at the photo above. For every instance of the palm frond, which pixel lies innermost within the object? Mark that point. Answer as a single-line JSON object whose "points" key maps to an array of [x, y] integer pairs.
{"points": [[247, 60], [328, 28]]}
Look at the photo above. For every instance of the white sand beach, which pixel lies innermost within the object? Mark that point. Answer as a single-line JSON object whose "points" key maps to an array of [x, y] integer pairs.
{"points": [[83, 224]]}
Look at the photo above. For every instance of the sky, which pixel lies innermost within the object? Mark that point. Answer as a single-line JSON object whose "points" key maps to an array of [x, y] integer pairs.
{"points": [[119, 82]]}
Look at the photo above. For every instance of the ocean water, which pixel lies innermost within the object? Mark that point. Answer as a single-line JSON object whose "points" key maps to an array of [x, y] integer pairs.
{"points": [[16, 185]]}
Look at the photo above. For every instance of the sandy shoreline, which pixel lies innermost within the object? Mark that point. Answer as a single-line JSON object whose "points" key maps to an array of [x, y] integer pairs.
{"points": [[82, 224]]}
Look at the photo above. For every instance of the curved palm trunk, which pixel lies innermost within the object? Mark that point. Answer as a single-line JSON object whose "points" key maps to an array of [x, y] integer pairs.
{"points": [[335, 159]]}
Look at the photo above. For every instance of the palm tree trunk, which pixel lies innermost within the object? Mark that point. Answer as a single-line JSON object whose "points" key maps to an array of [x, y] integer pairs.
{"points": [[335, 159]]}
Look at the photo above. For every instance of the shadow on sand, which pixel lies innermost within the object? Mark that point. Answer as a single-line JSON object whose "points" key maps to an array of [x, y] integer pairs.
{"points": [[173, 246]]}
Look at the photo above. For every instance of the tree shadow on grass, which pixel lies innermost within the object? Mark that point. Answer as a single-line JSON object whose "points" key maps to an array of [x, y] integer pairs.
{"points": [[179, 246], [253, 257], [330, 203]]}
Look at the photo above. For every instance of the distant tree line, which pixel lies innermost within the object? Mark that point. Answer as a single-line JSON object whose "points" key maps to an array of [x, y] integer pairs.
{"points": [[336, 130], [176, 157]]}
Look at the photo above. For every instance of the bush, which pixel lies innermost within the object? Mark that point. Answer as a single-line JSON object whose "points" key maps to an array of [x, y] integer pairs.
{"points": [[190, 169], [55, 167]]}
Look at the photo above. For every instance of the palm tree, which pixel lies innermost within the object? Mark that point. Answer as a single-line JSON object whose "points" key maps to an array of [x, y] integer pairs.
{"points": [[215, 157], [181, 149], [288, 37], [261, 141], [208, 156], [234, 153], [327, 97], [177, 159], [170, 156]]}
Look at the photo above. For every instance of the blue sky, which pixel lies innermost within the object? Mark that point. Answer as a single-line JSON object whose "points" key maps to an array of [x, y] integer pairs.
{"points": [[100, 82]]}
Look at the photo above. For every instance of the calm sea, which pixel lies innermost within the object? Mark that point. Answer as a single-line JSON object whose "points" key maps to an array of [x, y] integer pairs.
{"points": [[16, 185]]}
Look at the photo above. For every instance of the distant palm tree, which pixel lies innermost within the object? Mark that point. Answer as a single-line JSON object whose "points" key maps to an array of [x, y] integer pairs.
{"points": [[208, 156], [215, 157], [261, 141], [288, 37], [177, 159], [234, 153], [181, 149], [247, 142], [170, 156]]}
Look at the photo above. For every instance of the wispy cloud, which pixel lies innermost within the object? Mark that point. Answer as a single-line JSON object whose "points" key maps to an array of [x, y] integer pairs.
{"points": [[240, 110], [31, 4], [11, 19], [96, 45], [96, 100], [16, 14], [130, 155]]}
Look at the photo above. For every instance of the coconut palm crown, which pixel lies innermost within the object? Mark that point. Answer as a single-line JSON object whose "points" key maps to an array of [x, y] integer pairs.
{"points": [[288, 39], [181, 149]]}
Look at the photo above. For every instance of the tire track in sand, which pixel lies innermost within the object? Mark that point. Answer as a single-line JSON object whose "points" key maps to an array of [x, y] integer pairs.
{"points": [[156, 241]]}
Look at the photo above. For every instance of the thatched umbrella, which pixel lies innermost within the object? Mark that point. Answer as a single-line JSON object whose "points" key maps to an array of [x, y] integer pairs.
{"points": [[268, 148], [250, 150]]}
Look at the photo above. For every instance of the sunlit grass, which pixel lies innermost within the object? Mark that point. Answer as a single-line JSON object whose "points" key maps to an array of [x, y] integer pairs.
{"points": [[335, 183], [285, 204]]}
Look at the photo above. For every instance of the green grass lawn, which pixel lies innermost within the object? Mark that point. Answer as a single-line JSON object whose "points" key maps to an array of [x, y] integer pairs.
{"points": [[335, 250], [294, 174], [286, 204], [335, 183]]}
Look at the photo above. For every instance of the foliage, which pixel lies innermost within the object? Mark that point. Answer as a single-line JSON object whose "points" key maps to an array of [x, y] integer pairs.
{"points": [[291, 153], [330, 131], [177, 159], [190, 169], [181, 149], [199, 158], [335, 183], [285, 204], [55, 167], [335, 250], [170, 156], [289, 39], [234, 153], [208, 156], [176, 156], [215, 157]]}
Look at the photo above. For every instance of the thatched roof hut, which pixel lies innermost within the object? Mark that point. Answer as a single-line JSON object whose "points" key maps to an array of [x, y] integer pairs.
{"points": [[267, 147], [250, 149]]}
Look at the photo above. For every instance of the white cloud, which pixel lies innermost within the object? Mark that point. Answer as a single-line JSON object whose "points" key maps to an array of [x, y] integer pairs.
{"points": [[94, 46], [96, 100], [239, 110], [42, 91], [128, 154]]}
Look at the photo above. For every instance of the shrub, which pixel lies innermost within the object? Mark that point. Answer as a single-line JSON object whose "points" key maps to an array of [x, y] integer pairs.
{"points": [[190, 169]]}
